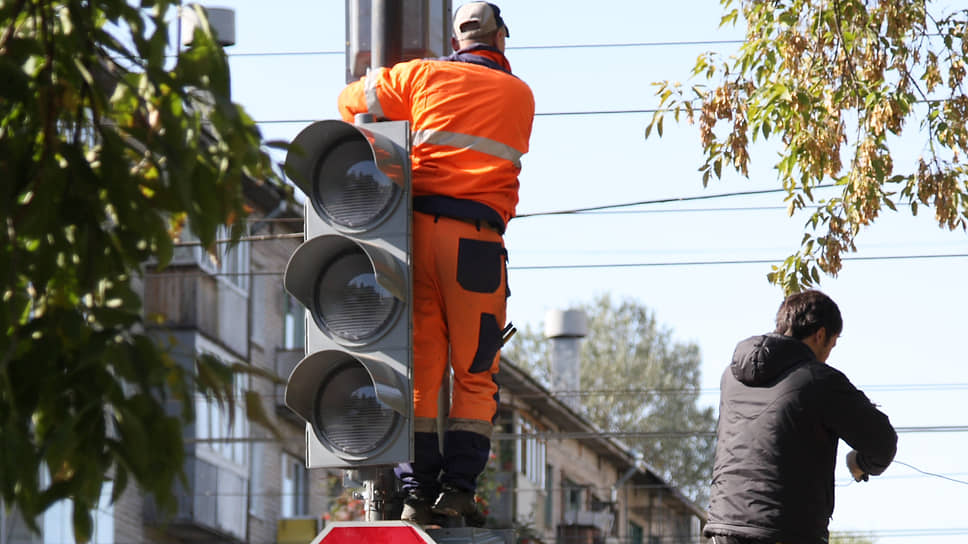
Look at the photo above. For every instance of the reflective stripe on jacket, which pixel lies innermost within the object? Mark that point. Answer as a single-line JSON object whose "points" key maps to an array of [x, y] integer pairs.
{"points": [[471, 125]]}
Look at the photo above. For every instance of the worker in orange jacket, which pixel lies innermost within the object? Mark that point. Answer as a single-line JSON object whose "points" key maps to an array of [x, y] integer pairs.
{"points": [[471, 122]]}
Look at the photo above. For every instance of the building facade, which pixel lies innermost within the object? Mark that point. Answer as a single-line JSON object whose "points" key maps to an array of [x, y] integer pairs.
{"points": [[565, 483]]}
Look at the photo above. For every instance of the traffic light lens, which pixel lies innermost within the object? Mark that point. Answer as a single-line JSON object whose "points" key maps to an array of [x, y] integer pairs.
{"points": [[349, 415], [350, 303], [350, 190]]}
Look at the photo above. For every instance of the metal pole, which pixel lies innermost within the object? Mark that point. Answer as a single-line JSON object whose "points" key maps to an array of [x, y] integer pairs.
{"points": [[386, 33], [386, 39]]}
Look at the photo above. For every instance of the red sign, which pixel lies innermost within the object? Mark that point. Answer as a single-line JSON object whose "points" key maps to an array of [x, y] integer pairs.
{"points": [[372, 532]]}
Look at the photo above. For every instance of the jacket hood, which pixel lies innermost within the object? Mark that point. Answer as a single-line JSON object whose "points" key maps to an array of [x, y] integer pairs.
{"points": [[759, 360]]}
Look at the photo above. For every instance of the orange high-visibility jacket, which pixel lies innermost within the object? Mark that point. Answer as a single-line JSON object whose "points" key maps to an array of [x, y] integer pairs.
{"points": [[470, 125]]}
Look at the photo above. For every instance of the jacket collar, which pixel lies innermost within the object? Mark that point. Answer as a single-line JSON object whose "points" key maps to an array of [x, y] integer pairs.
{"points": [[484, 55]]}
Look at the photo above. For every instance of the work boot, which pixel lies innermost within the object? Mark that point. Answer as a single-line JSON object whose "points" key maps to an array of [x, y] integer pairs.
{"points": [[416, 509], [454, 502]]}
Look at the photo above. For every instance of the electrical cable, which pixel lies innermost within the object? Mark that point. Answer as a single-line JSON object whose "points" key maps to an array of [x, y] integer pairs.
{"points": [[616, 266], [573, 435], [932, 474], [661, 201], [574, 113], [726, 262], [710, 391], [684, 43]]}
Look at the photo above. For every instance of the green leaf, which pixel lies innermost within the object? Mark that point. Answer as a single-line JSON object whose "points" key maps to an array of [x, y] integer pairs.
{"points": [[256, 413], [83, 524], [120, 483], [253, 370], [277, 144]]}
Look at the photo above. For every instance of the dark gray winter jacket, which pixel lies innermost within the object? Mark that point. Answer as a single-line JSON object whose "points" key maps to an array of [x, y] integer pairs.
{"points": [[781, 414]]}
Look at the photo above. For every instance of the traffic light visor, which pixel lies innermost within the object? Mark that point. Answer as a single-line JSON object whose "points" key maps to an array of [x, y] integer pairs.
{"points": [[355, 405], [349, 414], [353, 295], [348, 188], [349, 301], [351, 175]]}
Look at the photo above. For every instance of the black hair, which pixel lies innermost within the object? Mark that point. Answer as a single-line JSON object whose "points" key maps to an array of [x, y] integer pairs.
{"points": [[802, 314], [498, 19]]}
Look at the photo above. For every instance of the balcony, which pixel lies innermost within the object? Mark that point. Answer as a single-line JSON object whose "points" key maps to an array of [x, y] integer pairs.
{"points": [[584, 524], [213, 507]]}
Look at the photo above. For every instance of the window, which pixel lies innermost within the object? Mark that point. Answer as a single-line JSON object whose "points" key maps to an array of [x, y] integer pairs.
{"points": [[294, 323], [257, 503], [295, 487], [636, 535], [531, 454], [234, 260], [258, 313], [220, 432], [574, 499], [549, 496]]}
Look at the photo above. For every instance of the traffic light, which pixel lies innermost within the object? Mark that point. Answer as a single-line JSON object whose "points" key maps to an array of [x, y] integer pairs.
{"points": [[352, 273]]}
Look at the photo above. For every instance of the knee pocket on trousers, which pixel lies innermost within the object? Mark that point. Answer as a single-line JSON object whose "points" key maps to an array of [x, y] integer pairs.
{"points": [[480, 265], [488, 343]]}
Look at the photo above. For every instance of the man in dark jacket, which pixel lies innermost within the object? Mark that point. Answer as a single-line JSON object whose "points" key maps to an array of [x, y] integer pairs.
{"points": [[782, 411]]}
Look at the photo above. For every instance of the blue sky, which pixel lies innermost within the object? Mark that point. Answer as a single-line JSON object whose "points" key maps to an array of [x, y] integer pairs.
{"points": [[904, 318]]}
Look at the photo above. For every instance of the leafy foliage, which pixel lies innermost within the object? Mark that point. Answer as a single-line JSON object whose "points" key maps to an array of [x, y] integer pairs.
{"points": [[636, 378], [835, 82], [104, 155]]}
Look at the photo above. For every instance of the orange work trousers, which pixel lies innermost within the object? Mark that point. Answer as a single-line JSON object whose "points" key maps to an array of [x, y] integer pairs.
{"points": [[460, 304]]}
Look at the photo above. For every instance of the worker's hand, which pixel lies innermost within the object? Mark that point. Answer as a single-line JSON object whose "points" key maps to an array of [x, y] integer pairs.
{"points": [[855, 470]]}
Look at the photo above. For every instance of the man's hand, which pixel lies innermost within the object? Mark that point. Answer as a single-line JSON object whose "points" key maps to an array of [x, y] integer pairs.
{"points": [[855, 470]]}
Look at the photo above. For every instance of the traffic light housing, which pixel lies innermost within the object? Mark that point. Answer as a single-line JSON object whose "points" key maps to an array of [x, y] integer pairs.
{"points": [[353, 275]]}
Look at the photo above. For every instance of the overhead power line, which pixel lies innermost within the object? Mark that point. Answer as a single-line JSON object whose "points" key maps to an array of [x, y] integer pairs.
{"points": [[248, 238], [538, 114], [638, 391], [654, 264], [526, 489], [573, 113], [685, 43], [661, 201], [725, 262], [658, 435], [579, 435]]}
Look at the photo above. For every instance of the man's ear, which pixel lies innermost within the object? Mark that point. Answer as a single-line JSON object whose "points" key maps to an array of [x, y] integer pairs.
{"points": [[455, 44]]}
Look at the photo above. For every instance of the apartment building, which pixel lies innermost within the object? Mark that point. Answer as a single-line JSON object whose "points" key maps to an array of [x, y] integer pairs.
{"points": [[565, 483]]}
